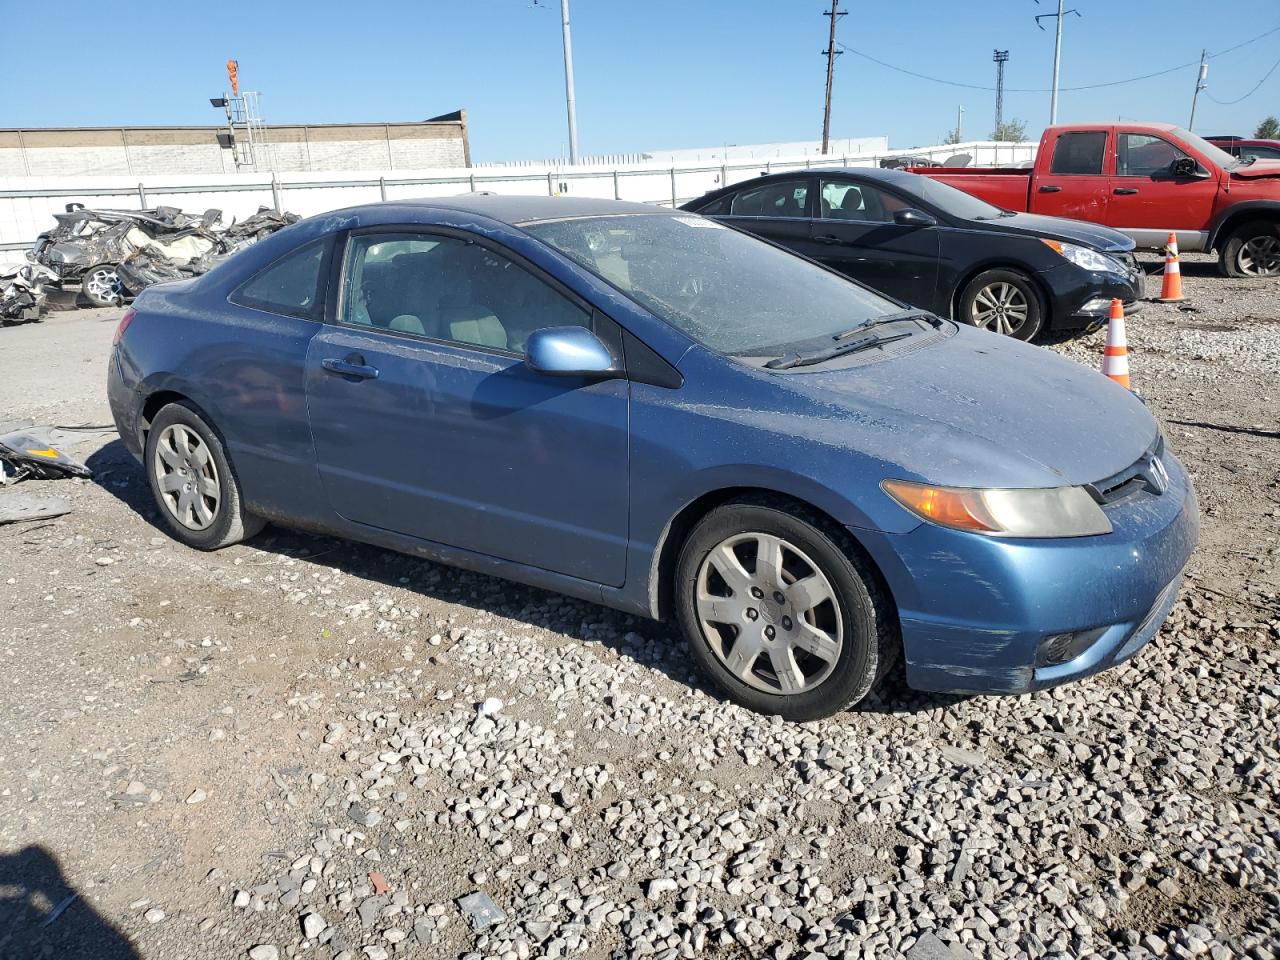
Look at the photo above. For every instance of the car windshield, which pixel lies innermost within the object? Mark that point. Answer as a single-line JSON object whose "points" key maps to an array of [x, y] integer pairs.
{"points": [[953, 202], [1206, 149], [731, 292]]}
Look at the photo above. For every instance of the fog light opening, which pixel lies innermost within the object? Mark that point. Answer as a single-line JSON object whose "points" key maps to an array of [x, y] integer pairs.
{"points": [[1064, 647], [1098, 306]]}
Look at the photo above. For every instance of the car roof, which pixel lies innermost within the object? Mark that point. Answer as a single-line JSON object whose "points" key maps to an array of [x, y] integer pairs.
{"points": [[521, 210], [900, 177]]}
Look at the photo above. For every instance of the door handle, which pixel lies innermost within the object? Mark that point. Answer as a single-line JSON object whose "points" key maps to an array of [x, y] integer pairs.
{"points": [[352, 366], [1050, 189], [827, 239], [1124, 191]]}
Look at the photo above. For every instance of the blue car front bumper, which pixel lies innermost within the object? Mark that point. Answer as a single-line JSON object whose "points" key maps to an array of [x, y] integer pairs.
{"points": [[976, 612]]}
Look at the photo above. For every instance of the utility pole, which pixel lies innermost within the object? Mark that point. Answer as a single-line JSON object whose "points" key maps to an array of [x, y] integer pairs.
{"points": [[1001, 57], [960, 123], [1202, 79], [1057, 53], [831, 53], [570, 100]]}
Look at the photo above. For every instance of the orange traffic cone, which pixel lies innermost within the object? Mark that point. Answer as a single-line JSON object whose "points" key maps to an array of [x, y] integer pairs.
{"points": [[1171, 291], [1115, 356]]}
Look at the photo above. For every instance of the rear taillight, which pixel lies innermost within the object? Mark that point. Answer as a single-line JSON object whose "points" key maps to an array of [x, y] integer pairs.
{"points": [[123, 325]]}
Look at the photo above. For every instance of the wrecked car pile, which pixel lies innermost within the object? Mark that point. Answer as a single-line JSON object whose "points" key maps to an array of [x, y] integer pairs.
{"points": [[115, 254], [22, 292], [151, 264]]}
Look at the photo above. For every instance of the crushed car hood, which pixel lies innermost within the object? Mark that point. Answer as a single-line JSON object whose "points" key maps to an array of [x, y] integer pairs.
{"points": [[1259, 168], [980, 409]]}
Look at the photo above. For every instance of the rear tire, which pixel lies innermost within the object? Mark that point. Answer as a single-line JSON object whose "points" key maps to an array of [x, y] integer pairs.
{"points": [[1003, 301], [1252, 250], [192, 480], [816, 651]]}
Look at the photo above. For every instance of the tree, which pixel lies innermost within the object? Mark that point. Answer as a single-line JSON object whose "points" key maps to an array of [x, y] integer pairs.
{"points": [[1268, 129], [953, 136], [1014, 130]]}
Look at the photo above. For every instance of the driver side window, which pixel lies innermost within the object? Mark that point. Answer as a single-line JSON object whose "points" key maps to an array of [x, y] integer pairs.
{"points": [[1143, 155], [451, 289]]}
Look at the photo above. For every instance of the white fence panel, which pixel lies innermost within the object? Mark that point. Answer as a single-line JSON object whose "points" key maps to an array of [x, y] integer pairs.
{"points": [[27, 204]]}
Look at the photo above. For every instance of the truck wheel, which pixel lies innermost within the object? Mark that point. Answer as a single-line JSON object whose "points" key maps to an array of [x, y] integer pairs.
{"points": [[1252, 250], [1002, 301], [101, 285]]}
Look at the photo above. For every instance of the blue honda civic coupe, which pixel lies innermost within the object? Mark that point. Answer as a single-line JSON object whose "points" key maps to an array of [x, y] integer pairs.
{"points": [[649, 410]]}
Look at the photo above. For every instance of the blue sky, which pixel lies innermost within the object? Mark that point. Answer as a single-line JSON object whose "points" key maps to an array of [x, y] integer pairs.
{"points": [[651, 74]]}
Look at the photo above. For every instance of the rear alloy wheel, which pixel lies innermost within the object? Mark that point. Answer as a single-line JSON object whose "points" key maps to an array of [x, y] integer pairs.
{"points": [[101, 286], [1002, 301], [193, 483], [1252, 251], [783, 618]]}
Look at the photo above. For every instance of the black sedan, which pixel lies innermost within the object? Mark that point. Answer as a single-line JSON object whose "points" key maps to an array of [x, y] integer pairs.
{"points": [[932, 246]]}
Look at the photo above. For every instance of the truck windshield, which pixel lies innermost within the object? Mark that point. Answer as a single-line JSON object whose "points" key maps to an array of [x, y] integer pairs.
{"points": [[1206, 149], [730, 291]]}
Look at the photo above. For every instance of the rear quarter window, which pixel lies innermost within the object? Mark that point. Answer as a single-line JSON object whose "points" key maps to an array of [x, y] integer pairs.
{"points": [[293, 286], [1079, 153]]}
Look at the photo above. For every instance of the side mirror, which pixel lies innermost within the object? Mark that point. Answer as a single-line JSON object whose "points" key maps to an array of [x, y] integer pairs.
{"points": [[911, 217], [569, 352], [1184, 167]]}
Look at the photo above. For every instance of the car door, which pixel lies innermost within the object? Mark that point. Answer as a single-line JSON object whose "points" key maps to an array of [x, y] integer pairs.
{"points": [[1075, 184], [428, 423], [855, 234], [778, 210], [1146, 195]]}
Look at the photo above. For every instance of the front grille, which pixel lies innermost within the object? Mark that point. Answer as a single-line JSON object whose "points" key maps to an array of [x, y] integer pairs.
{"points": [[1144, 474]]}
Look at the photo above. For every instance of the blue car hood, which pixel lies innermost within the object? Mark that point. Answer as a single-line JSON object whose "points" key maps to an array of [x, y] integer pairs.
{"points": [[981, 410]]}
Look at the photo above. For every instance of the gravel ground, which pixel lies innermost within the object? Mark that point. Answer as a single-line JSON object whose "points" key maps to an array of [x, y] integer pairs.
{"points": [[303, 747]]}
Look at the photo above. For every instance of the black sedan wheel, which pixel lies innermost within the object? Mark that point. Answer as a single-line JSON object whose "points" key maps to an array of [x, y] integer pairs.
{"points": [[1002, 301], [779, 613], [193, 483]]}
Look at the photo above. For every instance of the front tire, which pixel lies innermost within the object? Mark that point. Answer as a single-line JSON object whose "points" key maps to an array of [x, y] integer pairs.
{"points": [[1003, 301], [780, 613], [1252, 250], [193, 482], [101, 285]]}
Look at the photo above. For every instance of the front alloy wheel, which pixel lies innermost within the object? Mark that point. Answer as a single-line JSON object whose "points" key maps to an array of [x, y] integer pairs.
{"points": [[1259, 257], [101, 286], [1000, 307], [769, 614], [781, 610]]}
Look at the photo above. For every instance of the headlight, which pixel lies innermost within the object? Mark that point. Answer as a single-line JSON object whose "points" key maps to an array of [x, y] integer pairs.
{"points": [[1086, 258], [1051, 512]]}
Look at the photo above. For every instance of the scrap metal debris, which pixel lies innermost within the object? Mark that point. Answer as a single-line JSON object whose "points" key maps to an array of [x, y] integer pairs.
{"points": [[115, 254], [16, 507], [29, 454], [22, 292], [480, 910]]}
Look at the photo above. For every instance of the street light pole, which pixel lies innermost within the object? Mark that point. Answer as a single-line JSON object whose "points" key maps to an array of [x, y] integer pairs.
{"points": [[1057, 52], [570, 100]]}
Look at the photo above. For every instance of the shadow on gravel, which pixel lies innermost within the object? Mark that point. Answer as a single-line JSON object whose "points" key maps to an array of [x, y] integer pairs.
{"points": [[662, 647], [43, 915], [1224, 428]]}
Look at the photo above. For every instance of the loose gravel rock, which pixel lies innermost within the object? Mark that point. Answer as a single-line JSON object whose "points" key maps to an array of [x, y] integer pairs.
{"points": [[398, 759]]}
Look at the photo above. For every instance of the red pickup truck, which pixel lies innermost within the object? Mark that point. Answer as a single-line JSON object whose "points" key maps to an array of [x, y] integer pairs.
{"points": [[1146, 180]]}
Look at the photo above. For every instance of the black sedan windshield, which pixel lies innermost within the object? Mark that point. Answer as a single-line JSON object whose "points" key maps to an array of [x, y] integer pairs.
{"points": [[953, 202], [727, 290]]}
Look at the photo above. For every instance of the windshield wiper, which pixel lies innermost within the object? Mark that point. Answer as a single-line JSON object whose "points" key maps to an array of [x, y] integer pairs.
{"points": [[889, 318], [828, 353]]}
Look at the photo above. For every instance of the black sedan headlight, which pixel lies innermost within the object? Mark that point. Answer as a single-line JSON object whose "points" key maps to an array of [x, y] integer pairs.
{"points": [[1086, 258]]}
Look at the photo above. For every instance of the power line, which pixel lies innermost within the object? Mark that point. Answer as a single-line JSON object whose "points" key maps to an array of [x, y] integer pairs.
{"points": [[1266, 76], [1088, 86]]}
